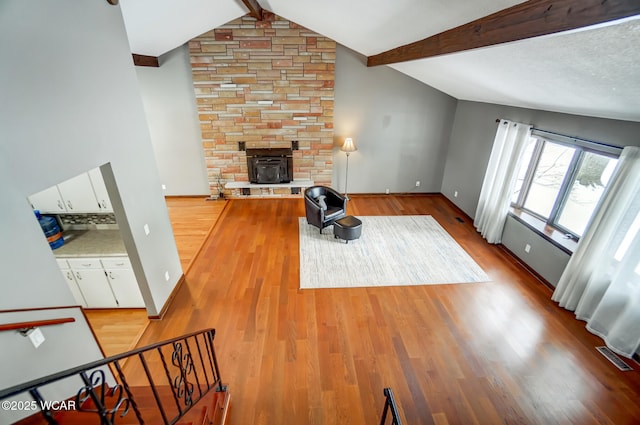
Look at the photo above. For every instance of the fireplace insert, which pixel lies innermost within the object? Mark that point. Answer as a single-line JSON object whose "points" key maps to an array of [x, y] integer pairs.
{"points": [[270, 166]]}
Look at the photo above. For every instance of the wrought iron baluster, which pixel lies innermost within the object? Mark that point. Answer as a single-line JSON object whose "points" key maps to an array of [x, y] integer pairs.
{"points": [[128, 391], [44, 409], [86, 393], [184, 388], [169, 380], [208, 346], [390, 405], [211, 334], [154, 390], [194, 369], [204, 368]]}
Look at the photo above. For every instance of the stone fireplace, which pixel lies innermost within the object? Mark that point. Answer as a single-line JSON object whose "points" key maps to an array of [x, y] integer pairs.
{"points": [[263, 85]]}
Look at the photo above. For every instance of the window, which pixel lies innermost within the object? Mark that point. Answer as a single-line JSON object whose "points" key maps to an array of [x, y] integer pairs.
{"points": [[561, 183]]}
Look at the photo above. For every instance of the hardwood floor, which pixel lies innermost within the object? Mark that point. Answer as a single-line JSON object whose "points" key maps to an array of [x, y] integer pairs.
{"points": [[489, 353], [192, 218], [117, 330]]}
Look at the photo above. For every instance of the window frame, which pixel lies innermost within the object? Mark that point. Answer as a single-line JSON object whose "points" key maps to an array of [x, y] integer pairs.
{"points": [[567, 182]]}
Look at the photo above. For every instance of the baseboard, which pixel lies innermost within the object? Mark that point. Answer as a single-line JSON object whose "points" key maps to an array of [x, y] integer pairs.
{"points": [[355, 195], [187, 196], [167, 304]]}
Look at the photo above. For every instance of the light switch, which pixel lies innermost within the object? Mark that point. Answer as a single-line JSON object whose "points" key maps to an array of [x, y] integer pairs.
{"points": [[146, 229]]}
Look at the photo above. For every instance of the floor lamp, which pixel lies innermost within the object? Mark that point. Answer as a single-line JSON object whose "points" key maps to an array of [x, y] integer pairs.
{"points": [[347, 147]]}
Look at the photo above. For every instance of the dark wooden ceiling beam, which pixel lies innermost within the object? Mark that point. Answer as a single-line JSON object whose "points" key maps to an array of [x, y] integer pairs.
{"points": [[532, 18], [142, 60], [255, 9]]}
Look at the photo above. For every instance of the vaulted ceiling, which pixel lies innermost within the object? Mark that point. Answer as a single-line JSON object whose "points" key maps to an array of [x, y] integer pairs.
{"points": [[592, 71]]}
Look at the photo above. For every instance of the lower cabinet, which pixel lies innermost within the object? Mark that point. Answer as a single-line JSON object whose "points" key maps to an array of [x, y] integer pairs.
{"points": [[71, 281], [107, 282], [123, 282]]}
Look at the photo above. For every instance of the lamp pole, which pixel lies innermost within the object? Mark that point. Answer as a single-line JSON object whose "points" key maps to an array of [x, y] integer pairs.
{"points": [[347, 148], [346, 177]]}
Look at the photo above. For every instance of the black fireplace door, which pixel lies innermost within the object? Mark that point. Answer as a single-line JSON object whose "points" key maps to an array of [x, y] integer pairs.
{"points": [[270, 170]]}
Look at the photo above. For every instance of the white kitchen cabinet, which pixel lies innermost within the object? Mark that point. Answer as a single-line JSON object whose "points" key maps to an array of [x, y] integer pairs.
{"points": [[100, 190], [107, 282], [48, 201], [93, 283], [123, 282], [71, 281], [85, 193], [78, 195]]}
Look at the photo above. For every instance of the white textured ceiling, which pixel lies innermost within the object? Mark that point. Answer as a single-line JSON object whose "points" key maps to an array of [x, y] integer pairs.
{"points": [[594, 72]]}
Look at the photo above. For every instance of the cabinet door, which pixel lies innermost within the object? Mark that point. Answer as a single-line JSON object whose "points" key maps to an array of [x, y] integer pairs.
{"points": [[78, 195], [125, 288], [100, 190], [48, 201], [73, 286], [95, 287]]}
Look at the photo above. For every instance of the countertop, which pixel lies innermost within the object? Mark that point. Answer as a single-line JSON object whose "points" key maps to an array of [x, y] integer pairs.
{"points": [[91, 243]]}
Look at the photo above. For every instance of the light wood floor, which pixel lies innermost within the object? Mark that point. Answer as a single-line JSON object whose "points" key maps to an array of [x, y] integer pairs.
{"points": [[490, 353], [192, 218]]}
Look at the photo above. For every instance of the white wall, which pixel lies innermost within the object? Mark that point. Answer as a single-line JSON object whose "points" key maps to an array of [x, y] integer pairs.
{"points": [[400, 126], [170, 106], [70, 102]]}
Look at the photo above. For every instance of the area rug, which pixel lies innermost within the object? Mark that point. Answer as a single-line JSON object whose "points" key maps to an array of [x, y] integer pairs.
{"points": [[393, 250]]}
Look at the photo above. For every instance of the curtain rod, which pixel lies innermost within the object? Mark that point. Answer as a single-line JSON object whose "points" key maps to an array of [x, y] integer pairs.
{"points": [[573, 137]]}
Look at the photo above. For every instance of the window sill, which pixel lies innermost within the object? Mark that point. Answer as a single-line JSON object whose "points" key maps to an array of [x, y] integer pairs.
{"points": [[554, 236]]}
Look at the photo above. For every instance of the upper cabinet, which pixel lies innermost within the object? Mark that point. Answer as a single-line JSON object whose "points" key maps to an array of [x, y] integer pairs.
{"points": [[85, 193], [100, 190], [49, 201]]}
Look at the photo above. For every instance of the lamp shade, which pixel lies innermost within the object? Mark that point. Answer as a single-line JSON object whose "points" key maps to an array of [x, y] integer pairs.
{"points": [[348, 145]]}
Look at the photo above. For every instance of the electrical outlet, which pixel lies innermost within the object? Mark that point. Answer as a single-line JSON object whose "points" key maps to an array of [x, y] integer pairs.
{"points": [[164, 187], [417, 183], [146, 229], [527, 248], [455, 194], [166, 276], [386, 191]]}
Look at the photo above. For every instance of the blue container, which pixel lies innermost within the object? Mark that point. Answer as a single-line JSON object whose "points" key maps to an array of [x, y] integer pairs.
{"points": [[51, 230]]}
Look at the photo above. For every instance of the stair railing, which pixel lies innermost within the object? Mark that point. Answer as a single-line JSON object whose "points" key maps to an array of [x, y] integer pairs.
{"points": [[390, 406], [163, 381]]}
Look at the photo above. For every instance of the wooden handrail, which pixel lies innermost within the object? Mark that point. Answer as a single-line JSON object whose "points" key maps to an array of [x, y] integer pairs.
{"points": [[35, 324]]}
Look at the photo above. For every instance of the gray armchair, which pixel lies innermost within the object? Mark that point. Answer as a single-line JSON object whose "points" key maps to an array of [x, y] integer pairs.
{"points": [[323, 206]]}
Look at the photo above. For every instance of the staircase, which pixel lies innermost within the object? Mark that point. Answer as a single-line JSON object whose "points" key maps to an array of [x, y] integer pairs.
{"points": [[174, 382]]}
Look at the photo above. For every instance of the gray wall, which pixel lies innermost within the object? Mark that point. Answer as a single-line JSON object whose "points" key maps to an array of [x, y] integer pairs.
{"points": [[70, 102], [400, 126], [170, 106], [470, 145]]}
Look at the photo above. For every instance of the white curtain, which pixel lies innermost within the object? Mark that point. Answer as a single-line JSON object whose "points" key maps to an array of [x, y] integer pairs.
{"points": [[499, 180], [601, 282]]}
